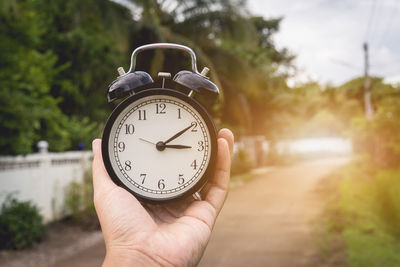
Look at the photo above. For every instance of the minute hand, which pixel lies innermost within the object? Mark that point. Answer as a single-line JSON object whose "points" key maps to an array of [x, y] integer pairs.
{"points": [[178, 134]]}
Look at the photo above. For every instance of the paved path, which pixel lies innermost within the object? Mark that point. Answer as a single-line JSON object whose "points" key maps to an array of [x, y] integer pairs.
{"points": [[265, 222]]}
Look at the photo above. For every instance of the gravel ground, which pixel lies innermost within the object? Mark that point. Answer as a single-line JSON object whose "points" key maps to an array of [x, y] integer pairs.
{"points": [[62, 241]]}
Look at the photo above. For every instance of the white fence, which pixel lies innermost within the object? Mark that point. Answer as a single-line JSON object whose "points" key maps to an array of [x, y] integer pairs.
{"points": [[43, 178]]}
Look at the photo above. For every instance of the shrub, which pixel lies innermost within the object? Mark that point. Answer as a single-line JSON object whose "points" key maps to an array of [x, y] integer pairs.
{"points": [[20, 224], [379, 136], [241, 163], [386, 190], [79, 203], [362, 214]]}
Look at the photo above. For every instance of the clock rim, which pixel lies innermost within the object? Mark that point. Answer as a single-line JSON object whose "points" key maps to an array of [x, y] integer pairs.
{"points": [[167, 92]]}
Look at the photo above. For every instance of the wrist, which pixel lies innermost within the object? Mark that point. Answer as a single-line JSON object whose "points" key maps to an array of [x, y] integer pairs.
{"points": [[128, 257]]}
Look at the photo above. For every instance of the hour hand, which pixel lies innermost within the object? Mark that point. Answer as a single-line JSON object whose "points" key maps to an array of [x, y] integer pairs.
{"points": [[177, 146]]}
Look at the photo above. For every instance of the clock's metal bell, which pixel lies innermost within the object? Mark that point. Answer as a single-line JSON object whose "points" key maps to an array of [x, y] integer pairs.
{"points": [[196, 82], [127, 83]]}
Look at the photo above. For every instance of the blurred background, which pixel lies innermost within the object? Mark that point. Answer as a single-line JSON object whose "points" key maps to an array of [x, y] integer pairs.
{"points": [[311, 90]]}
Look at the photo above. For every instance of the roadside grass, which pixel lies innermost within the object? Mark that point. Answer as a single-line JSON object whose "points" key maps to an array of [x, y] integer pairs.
{"points": [[360, 225], [240, 179]]}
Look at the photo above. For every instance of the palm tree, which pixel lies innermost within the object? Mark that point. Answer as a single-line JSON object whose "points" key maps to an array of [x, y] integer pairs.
{"points": [[236, 46]]}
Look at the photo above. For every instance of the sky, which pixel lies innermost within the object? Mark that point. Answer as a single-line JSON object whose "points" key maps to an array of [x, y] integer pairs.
{"points": [[327, 37]]}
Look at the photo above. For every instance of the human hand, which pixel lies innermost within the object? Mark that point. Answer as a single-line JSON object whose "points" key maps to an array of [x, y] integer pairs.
{"points": [[173, 234]]}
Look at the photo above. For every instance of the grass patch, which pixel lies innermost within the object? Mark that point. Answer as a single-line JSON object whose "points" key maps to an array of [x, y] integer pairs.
{"points": [[363, 216], [240, 179]]}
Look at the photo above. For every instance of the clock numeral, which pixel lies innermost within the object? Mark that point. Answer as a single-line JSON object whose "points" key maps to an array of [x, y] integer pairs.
{"points": [[194, 124], [143, 176], [121, 146], [129, 129], [201, 146], [179, 113], [128, 165], [160, 108], [161, 184], [181, 179], [142, 115], [194, 165]]}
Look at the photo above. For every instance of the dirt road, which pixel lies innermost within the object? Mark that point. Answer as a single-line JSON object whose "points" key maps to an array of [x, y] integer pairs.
{"points": [[265, 222]]}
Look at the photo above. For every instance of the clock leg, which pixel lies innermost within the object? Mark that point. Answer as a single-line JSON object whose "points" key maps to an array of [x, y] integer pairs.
{"points": [[197, 196]]}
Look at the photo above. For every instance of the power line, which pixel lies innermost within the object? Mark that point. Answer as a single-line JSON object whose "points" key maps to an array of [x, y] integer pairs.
{"points": [[370, 19], [377, 21], [389, 23], [345, 64]]}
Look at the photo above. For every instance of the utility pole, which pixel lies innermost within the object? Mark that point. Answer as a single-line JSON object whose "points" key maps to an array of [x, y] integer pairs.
{"points": [[369, 110]]}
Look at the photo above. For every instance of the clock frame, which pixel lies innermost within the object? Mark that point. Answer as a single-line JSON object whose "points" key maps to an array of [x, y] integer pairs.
{"points": [[189, 101]]}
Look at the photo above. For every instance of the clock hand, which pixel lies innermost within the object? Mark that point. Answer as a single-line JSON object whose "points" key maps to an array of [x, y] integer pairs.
{"points": [[178, 134], [177, 146], [147, 141]]}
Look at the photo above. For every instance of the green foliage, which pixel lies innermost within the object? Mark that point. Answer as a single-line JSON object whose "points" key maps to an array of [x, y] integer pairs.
{"points": [[61, 56], [79, 203], [25, 103], [386, 190], [241, 163], [74, 199], [20, 224], [90, 38], [364, 212], [379, 136], [312, 111], [57, 53]]}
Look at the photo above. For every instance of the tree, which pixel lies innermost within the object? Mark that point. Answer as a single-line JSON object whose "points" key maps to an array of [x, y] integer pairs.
{"points": [[377, 137], [238, 48], [25, 102], [62, 55]]}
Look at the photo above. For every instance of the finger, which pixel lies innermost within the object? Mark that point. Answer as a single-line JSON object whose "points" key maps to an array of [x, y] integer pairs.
{"points": [[101, 180], [216, 189], [228, 136]]}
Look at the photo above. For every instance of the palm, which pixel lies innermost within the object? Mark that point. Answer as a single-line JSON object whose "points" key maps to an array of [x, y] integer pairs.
{"points": [[174, 233]]}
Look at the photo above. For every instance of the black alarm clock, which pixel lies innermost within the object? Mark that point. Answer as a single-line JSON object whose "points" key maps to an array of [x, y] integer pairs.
{"points": [[159, 143]]}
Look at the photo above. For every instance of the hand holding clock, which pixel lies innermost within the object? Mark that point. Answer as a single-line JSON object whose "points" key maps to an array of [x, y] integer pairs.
{"points": [[174, 234]]}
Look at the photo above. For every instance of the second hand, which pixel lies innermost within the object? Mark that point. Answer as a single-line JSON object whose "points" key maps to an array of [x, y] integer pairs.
{"points": [[147, 141]]}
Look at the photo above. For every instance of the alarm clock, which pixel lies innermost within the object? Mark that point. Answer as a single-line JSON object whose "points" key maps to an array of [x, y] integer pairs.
{"points": [[159, 143]]}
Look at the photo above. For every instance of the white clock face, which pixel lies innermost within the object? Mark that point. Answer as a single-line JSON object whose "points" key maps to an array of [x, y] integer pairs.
{"points": [[159, 146]]}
